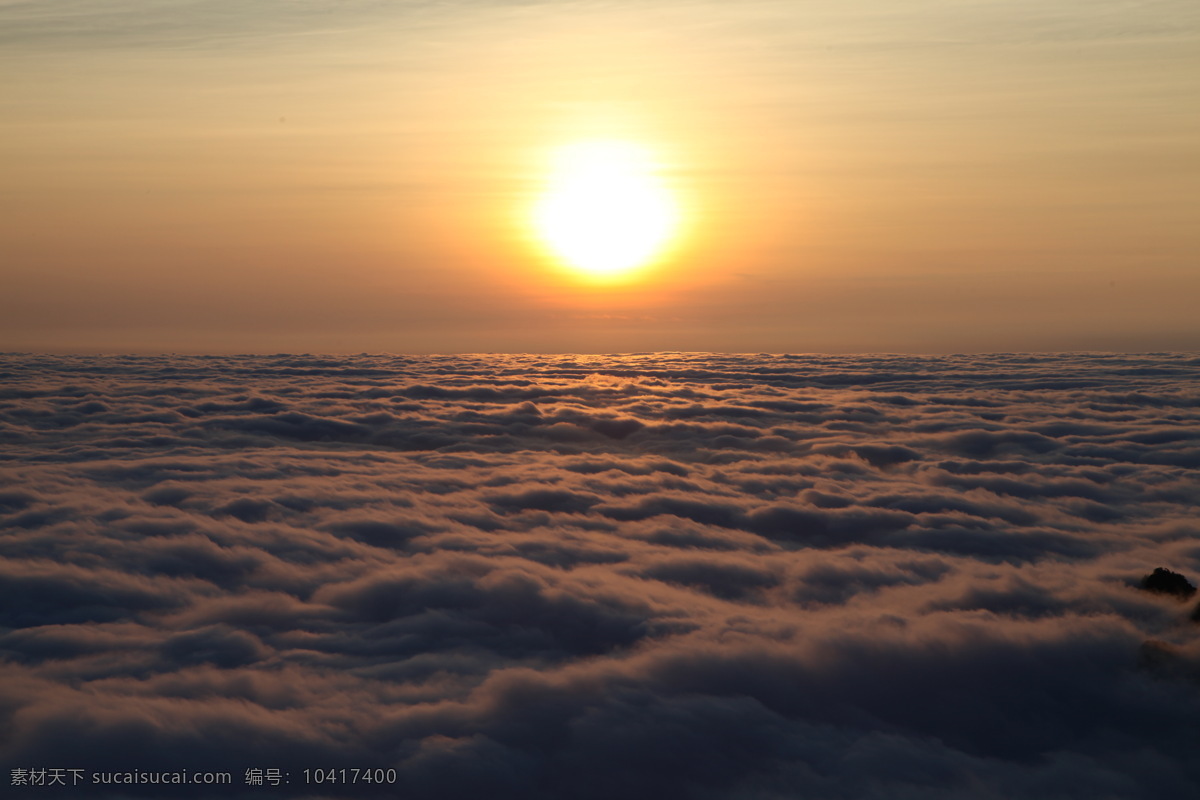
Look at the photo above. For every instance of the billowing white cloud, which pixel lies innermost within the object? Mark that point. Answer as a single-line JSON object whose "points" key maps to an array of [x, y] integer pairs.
{"points": [[695, 576]]}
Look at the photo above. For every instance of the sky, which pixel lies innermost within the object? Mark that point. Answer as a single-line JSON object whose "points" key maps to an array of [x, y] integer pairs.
{"points": [[356, 176]]}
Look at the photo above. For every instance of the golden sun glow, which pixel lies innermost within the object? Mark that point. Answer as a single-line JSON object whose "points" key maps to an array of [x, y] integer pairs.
{"points": [[605, 212]]}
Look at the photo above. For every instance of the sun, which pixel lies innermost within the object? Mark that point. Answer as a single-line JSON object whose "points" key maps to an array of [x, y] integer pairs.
{"points": [[605, 212]]}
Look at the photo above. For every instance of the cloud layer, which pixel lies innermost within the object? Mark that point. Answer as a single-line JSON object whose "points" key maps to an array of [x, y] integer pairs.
{"points": [[660, 575]]}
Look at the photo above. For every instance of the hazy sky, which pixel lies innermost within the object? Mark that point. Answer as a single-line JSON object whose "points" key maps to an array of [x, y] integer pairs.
{"points": [[310, 175]]}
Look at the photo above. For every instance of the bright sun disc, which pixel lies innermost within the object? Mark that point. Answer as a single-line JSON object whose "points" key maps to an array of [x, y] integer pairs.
{"points": [[605, 212]]}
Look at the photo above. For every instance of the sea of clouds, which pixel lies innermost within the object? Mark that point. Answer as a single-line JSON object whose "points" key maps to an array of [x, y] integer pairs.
{"points": [[639, 576]]}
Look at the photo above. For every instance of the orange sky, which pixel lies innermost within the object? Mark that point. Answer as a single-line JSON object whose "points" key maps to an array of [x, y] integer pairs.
{"points": [[354, 176]]}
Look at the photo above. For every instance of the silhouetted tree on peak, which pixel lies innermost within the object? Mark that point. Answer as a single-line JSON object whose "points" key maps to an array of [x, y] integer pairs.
{"points": [[1164, 581]]}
